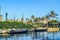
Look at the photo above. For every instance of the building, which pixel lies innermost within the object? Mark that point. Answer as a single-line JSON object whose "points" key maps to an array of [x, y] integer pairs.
{"points": [[1, 16], [12, 20]]}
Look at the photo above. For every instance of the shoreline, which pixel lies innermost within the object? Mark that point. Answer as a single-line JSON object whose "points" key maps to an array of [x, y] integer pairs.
{"points": [[53, 29], [32, 29]]}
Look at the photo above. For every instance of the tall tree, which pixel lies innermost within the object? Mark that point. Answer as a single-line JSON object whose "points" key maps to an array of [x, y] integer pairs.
{"points": [[42, 18], [22, 19], [36, 19], [53, 14], [47, 18], [27, 19], [6, 16], [32, 17]]}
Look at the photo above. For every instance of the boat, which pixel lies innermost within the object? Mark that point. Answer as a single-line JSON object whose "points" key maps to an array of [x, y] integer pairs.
{"points": [[17, 31], [40, 30]]}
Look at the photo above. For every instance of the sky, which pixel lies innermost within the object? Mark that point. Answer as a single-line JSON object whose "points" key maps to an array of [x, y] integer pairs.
{"points": [[38, 8]]}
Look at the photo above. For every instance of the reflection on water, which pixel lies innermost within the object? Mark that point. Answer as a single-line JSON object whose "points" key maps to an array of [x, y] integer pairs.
{"points": [[32, 36]]}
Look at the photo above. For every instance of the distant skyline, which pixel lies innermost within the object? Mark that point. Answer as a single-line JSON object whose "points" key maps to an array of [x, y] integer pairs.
{"points": [[38, 8]]}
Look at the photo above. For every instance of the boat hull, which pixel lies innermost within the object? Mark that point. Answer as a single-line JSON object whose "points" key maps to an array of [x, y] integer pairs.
{"points": [[17, 32], [40, 30]]}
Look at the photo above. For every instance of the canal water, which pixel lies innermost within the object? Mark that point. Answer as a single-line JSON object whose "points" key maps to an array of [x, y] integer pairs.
{"points": [[32, 36]]}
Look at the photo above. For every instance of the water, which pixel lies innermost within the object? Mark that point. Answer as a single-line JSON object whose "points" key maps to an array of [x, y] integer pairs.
{"points": [[32, 36]]}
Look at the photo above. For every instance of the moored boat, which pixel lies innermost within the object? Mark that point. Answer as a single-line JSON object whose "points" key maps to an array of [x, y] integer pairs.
{"points": [[40, 30], [18, 31]]}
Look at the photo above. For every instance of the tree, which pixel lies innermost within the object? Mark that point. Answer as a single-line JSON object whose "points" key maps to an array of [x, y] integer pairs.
{"points": [[47, 18], [27, 19], [53, 14], [32, 17], [42, 18], [39, 18], [22, 19], [30, 20], [6, 16], [36, 19]]}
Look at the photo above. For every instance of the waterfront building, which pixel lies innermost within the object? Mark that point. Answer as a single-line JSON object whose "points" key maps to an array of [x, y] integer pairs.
{"points": [[1, 16], [12, 20]]}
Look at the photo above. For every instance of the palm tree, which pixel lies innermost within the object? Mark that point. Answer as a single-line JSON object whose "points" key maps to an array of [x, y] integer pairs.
{"points": [[36, 19], [53, 14], [47, 18], [6, 16], [39, 19], [42, 18], [22, 19], [27, 19], [32, 17]]}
